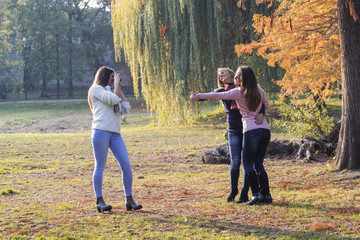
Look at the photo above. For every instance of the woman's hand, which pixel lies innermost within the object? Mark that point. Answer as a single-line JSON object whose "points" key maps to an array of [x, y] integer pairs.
{"points": [[117, 87], [194, 97], [117, 80], [259, 119]]}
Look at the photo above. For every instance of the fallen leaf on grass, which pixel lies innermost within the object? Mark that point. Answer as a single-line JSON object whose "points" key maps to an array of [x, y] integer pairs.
{"points": [[23, 220], [346, 210], [159, 196], [304, 173], [86, 200], [323, 226], [17, 231], [215, 213], [155, 185], [288, 184]]}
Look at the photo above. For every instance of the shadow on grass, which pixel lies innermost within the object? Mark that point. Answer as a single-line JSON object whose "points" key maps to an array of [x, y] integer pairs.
{"points": [[221, 226], [343, 210]]}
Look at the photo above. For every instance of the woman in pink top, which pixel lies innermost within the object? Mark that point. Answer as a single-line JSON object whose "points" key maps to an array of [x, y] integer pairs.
{"points": [[249, 98]]}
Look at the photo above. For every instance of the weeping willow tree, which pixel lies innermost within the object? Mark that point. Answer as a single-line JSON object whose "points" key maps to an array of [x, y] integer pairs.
{"points": [[174, 47]]}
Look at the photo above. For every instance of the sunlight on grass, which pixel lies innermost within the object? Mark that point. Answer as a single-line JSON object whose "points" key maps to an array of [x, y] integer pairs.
{"points": [[47, 193], [182, 197]]}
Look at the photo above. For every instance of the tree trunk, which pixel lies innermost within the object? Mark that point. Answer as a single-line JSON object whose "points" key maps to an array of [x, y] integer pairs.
{"points": [[43, 68], [348, 149], [58, 74], [70, 56]]}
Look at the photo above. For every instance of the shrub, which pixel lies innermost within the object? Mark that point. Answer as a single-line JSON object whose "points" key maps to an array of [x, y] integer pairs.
{"points": [[304, 120]]}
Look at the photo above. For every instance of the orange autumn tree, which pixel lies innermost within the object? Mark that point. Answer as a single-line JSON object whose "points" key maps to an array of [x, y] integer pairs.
{"points": [[303, 38]]}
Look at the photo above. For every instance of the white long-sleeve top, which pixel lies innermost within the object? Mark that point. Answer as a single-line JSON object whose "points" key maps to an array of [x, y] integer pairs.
{"points": [[104, 117], [248, 117]]}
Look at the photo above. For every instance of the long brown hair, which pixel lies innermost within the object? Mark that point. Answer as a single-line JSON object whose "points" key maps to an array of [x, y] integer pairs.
{"points": [[102, 78], [229, 71], [250, 87]]}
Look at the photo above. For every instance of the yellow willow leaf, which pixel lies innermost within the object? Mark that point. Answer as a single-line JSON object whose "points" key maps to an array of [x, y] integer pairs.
{"points": [[163, 44]]}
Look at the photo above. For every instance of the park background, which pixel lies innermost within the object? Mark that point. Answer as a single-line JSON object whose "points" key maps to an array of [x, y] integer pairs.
{"points": [[50, 51]]}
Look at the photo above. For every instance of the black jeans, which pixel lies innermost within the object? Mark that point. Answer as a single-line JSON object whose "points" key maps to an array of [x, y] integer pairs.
{"points": [[255, 143]]}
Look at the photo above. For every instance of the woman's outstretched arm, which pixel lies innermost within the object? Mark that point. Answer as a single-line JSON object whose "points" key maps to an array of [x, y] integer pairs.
{"points": [[228, 95]]}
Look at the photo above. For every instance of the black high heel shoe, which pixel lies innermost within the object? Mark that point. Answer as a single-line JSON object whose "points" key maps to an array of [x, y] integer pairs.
{"points": [[131, 204], [101, 205]]}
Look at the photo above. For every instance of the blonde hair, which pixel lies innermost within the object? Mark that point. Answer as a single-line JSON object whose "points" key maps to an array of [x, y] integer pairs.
{"points": [[229, 71]]}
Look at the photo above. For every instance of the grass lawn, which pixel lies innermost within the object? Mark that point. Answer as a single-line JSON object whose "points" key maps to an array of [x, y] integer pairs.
{"points": [[46, 192]]}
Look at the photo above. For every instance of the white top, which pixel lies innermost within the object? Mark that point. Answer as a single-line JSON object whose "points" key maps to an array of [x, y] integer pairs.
{"points": [[104, 117], [248, 117]]}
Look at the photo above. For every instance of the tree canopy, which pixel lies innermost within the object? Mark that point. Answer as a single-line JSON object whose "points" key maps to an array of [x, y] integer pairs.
{"points": [[9, 66], [303, 38], [53, 36]]}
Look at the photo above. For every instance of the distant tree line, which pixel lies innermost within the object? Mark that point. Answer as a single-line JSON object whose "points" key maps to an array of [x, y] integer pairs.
{"points": [[47, 38]]}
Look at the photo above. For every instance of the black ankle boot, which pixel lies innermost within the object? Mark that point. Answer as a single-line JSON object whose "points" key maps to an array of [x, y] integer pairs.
{"points": [[131, 204], [264, 186], [243, 196], [256, 199], [101, 205], [253, 180], [267, 199], [232, 195]]}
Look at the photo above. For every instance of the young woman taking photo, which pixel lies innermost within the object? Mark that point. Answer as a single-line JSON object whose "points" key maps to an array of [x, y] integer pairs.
{"points": [[107, 107]]}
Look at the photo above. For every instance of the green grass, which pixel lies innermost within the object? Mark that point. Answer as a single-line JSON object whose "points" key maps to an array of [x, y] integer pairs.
{"points": [[47, 193], [57, 117], [8, 192]]}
